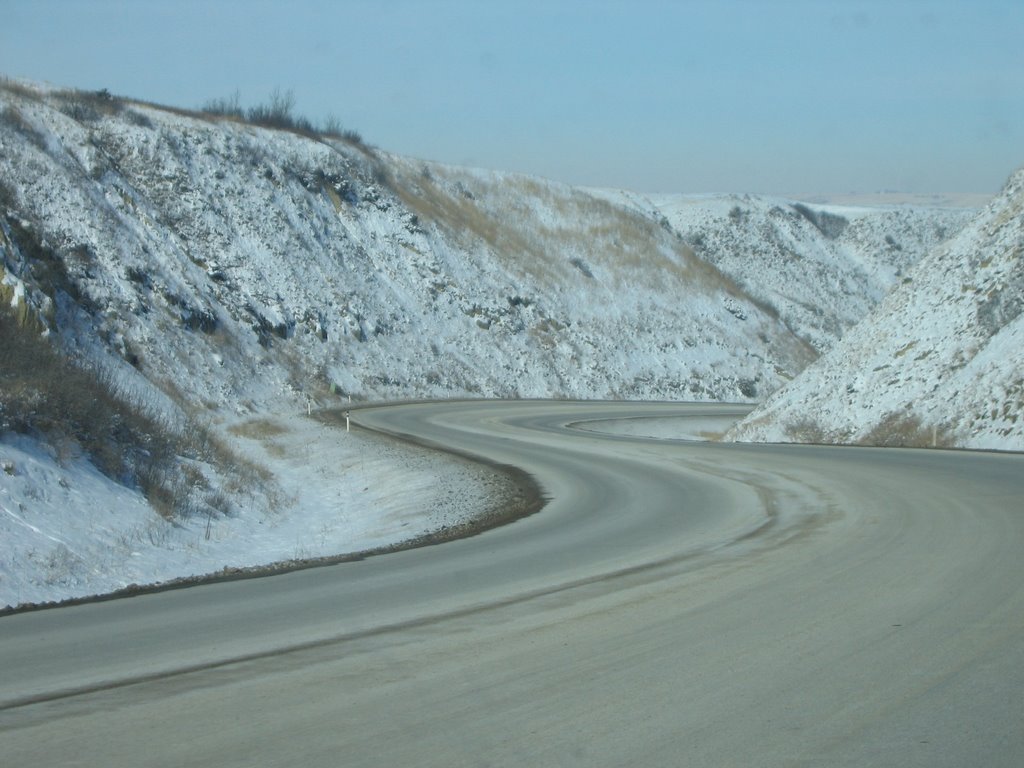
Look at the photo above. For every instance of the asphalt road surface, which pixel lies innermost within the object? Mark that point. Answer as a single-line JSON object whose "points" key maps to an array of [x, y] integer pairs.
{"points": [[674, 604]]}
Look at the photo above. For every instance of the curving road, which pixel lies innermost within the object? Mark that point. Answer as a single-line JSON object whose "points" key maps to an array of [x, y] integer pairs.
{"points": [[674, 604]]}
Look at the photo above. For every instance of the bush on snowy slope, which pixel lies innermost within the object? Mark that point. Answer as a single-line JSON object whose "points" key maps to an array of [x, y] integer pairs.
{"points": [[278, 112], [74, 408], [941, 360]]}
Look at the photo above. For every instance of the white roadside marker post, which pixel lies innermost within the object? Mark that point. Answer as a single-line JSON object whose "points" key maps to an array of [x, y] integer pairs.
{"points": [[347, 429]]}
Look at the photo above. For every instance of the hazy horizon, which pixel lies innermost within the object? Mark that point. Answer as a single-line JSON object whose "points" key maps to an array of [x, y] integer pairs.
{"points": [[791, 97]]}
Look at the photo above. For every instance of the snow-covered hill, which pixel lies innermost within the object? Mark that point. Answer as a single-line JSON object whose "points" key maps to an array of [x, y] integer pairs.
{"points": [[940, 361], [217, 275], [822, 267], [237, 267]]}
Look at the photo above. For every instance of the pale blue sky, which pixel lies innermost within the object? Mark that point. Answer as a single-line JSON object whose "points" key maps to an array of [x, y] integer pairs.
{"points": [[777, 96]]}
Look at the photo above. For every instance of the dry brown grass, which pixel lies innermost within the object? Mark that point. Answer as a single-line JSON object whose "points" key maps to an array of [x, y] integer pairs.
{"points": [[257, 429], [72, 407], [21, 90], [902, 429], [630, 247], [898, 429], [464, 218], [807, 431], [43, 391]]}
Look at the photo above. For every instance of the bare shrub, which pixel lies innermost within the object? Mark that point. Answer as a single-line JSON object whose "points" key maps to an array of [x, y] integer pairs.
{"points": [[230, 106], [902, 429], [806, 431], [353, 137], [331, 127], [88, 106], [44, 393], [277, 113]]}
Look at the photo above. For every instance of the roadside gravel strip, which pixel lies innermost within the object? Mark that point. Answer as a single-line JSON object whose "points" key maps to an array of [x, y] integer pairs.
{"points": [[673, 603]]}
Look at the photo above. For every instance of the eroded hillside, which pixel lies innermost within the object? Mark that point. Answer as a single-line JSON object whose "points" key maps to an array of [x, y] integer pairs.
{"points": [[940, 361], [823, 267], [231, 266]]}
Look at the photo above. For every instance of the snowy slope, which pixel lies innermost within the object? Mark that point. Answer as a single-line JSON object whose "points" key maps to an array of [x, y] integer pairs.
{"points": [[68, 531], [940, 361], [242, 266], [822, 267]]}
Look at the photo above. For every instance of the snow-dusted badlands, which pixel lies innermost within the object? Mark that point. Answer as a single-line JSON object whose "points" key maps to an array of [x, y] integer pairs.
{"points": [[211, 282], [939, 363]]}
